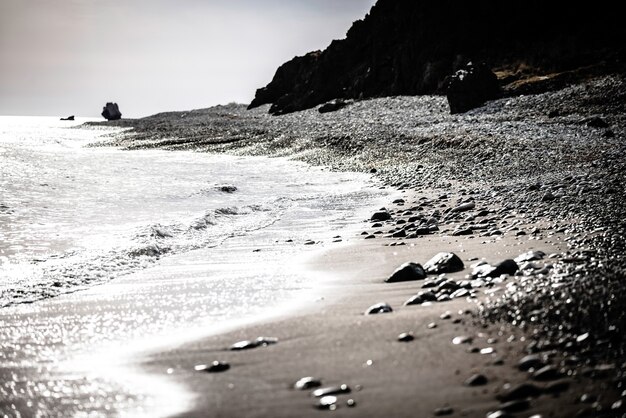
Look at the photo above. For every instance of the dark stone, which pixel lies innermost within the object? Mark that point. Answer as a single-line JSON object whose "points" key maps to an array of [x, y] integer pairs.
{"points": [[68, 118], [333, 105], [507, 266], [331, 390], [531, 361], [476, 380], [407, 272], [499, 414], [378, 308], [444, 263], [471, 87], [547, 373], [111, 111], [307, 383], [596, 122], [380, 216], [515, 406], [557, 387], [446, 410], [215, 367], [227, 188], [406, 337], [420, 298], [522, 391], [244, 345]]}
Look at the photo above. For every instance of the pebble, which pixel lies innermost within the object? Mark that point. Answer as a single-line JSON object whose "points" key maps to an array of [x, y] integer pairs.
{"points": [[462, 339], [444, 263], [407, 272], [244, 345], [476, 380], [421, 297], [446, 410], [331, 390], [327, 402], [547, 373], [351, 403], [464, 207], [378, 308], [215, 367], [499, 414], [521, 391], [531, 361], [445, 315], [406, 337], [307, 383], [381, 216], [515, 406]]}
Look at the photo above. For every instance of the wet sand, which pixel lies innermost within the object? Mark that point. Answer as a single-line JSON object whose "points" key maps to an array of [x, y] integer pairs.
{"points": [[332, 340]]}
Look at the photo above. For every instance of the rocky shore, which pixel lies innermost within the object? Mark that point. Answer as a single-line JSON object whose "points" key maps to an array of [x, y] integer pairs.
{"points": [[545, 169]]}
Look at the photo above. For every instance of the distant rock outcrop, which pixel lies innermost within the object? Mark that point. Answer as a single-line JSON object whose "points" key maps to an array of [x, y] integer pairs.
{"points": [[111, 111], [471, 87], [408, 47], [68, 118]]}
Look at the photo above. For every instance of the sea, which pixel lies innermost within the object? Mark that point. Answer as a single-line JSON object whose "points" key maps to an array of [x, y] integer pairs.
{"points": [[103, 249]]}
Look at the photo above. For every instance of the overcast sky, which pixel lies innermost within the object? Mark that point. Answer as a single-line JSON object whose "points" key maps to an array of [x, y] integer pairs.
{"points": [[72, 56]]}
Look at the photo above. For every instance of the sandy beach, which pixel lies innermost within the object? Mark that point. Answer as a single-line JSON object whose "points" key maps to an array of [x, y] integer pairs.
{"points": [[536, 179], [537, 176], [335, 342]]}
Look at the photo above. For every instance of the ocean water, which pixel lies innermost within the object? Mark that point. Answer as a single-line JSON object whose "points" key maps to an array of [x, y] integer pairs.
{"points": [[178, 241]]}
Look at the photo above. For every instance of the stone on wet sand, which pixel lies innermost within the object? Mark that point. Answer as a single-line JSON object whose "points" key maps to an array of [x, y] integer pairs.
{"points": [[521, 391], [331, 390], [421, 297], [530, 256], [307, 383], [446, 410], [531, 361], [243, 345], [406, 337], [265, 341], [249, 344], [547, 373], [378, 308], [476, 380], [407, 272], [499, 414], [380, 216], [327, 402], [444, 263], [214, 367], [518, 405], [462, 339]]}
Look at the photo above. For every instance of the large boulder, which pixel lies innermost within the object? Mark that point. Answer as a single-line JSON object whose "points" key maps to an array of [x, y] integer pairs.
{"points": [[471, 87], [111, 111]]}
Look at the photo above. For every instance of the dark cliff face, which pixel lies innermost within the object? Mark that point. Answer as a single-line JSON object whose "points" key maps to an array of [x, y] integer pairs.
{"points": [[408, 47]]}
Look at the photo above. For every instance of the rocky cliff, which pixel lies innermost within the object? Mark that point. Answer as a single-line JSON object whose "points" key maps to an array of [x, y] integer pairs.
{"points": [[408, 47]]}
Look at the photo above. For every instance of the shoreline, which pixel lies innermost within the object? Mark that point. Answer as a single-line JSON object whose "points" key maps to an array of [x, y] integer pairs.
{"points": [[547, 166], [332, 340]]}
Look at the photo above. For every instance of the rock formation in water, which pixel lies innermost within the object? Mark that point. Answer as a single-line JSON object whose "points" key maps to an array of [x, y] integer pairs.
{"points": [[111, 111], [409, 47]]}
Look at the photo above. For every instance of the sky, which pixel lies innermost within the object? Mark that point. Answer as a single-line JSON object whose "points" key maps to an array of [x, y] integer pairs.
{"points": [[70, 57]]}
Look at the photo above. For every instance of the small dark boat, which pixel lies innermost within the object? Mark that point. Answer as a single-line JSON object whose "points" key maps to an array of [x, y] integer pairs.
{"points": [[68, 118]]}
